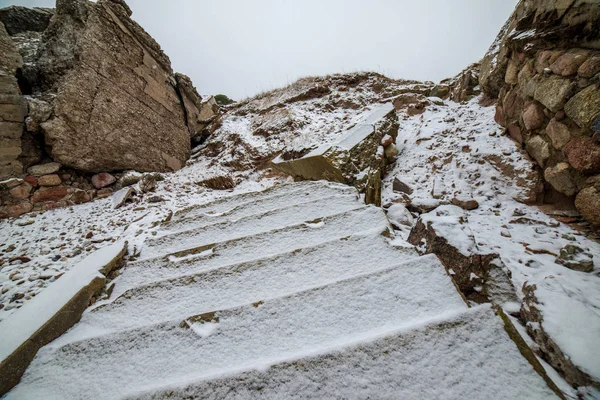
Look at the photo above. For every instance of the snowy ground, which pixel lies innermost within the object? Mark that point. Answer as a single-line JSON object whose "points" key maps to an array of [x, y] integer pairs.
{"points": [[452, 151]]}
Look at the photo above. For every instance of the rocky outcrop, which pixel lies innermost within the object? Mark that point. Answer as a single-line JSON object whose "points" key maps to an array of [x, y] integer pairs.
{"points": [[358, 159], [544, 69]]}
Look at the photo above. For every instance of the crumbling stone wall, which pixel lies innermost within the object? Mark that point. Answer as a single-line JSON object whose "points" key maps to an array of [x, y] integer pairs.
{"points": [[544, 69], [12, 107]]}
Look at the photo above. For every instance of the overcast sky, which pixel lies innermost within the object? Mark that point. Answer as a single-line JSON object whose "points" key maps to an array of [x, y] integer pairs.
{"points": [[242, 47]]}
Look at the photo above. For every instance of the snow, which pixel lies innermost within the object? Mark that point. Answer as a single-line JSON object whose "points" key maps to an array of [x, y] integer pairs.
{"points": [[526, 239], [405, 362], [37, 312]]}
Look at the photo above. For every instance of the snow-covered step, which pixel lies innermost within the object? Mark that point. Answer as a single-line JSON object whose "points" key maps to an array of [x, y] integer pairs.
{"points": [[225, 341], [232, 210], [244, 283], [464, 355], [226, 204], [251, 225], [363, 221]]}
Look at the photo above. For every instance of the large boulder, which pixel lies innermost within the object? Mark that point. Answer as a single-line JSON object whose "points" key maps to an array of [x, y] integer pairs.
{"points": [[357, 159], [118, 105]]}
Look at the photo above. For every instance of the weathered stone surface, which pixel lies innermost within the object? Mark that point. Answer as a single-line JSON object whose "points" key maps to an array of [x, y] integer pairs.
{"points": [[553, 92], [465, 260], [515, 132], [103, 180], [21, 192], [561, 179], [44, 169], [500, 116], [49, 180], [401, 187], [19, 19], [49, 194], [590, 68], [39, 112], [584, 154], [79, 196], [567, 64], [357, 159], [15, 210], [513, 105], [533, 116], [539, 150], [512, 73], [588, 204], [559, 133], [465, 204], [13, 108], [118, 105], [576, 258], [553, 354], [584, 107], [218, 183]]}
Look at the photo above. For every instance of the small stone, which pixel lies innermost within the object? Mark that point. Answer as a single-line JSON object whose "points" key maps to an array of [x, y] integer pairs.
{"points": [[401, 187], [104, 193], [391, 152], [559, 133], [49, 180], [89, 235], [121, 197], [584, 107], [584, 154], [155, 199], [22, 259], [590, 68], [575, 258], [465, 204], [539, 150], [80, 196], [49, 194], [561, 179], [553, 92], [146, 184], [21, 192], [567, 64], [17, 296], [16, 210], [387, 140], [399, 216], [44, 169], [103, 180], [533, 116], [32, 180], [514, 131]]}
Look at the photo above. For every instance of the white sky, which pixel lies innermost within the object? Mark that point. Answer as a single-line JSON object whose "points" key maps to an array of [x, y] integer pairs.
{"points": [[242, 47]]}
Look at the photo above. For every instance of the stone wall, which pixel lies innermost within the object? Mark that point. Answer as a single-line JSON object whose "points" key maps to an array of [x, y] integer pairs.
{"points": [[544, 69], [12, 108]]}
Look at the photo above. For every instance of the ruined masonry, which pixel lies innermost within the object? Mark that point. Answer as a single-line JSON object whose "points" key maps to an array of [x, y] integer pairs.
{"points": [[358, 158], [282, 293]]}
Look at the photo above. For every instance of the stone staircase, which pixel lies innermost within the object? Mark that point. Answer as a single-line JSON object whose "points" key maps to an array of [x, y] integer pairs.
{"points": [[294, 292]]}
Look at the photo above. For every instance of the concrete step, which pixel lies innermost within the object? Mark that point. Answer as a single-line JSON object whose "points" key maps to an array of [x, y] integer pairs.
{"points": [[366, 220], [244, 283], [252, 225], [226, 204], [226, 341], [461, 355], [234, 210]]}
